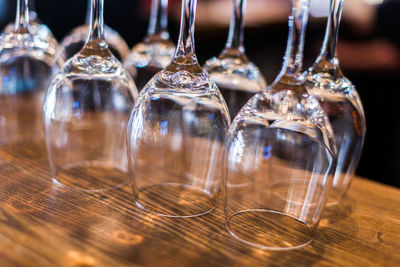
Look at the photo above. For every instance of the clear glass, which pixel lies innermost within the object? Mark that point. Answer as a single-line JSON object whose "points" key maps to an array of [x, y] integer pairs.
{"points": [[155, 52], [35, 26], [86, 112], [280, 156], [237, 78], [176, 134], [26, 62], [74, 41], [340, 100]]}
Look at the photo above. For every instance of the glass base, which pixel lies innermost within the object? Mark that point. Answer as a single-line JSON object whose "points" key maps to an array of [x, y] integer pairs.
{"points": [[268, 229], [93, 176], [174, 200]]}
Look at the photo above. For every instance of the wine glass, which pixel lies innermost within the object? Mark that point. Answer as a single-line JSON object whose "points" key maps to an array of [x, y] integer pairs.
{"points": [[237, 78], [155, 52], [35, 26], [26, 62], [74, 41], [280, 156], [85, 112], [176, 134], [340, 100]]}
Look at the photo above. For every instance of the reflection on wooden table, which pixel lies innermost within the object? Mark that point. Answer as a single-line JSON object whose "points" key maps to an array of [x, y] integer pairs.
{"points": [[42, 224]]}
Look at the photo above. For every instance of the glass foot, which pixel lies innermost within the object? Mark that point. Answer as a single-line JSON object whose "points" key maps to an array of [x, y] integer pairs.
{"points": [[92, 176], [174, 200], [268, 229]]}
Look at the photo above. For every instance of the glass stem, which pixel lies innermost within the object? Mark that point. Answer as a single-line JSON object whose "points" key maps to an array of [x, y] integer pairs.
{"points": [[96, 26], [328, 51], [185, 47], [293, 60], [158, 18], [22, 18], [236, 35]]}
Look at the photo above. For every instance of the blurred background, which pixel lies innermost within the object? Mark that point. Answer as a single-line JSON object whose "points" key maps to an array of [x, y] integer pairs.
{"points": [[369, 51]]}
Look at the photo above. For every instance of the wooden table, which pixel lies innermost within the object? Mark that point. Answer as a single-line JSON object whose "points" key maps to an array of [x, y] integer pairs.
{"points": [[42, 224]]}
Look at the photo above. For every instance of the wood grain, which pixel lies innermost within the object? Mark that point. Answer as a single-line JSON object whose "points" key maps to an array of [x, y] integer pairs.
{"points": [[42, 224]]}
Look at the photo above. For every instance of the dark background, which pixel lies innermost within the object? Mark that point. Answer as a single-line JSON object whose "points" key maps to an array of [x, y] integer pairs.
{"points": [[370, 59]]}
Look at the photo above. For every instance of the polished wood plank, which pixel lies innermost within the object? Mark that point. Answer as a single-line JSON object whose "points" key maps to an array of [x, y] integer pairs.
{"points": [[42, 224]]}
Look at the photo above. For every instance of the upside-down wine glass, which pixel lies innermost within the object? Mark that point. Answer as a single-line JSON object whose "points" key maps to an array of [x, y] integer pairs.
{"points": [[340, 100], [176, 134], [26, 62], [35, 25], [74, 41], [155, 52], [237, 78], [33, 17], [280, 156], [86, 111]]}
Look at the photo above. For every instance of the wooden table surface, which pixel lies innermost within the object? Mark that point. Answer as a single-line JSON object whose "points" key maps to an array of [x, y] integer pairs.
{"points": [[42, 224]]}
